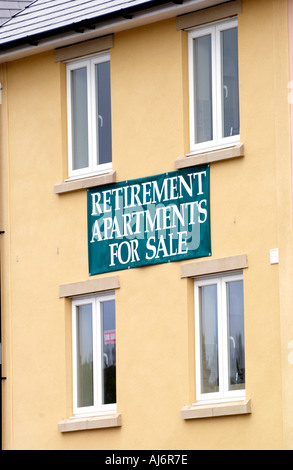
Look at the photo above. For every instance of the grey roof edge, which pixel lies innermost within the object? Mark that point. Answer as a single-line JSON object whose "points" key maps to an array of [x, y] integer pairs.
{"points": [[126, 12], [28, 4], [163, 10]]}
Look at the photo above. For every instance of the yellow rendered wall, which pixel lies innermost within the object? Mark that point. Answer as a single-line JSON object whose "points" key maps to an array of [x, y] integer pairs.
{"points": [[45, 245]]}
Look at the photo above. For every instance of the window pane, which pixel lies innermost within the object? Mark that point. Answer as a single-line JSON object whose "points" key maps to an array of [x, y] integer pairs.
{"points": [[203, 89], [229, 51], [103, 96], [108, 352], [236, 335], [209, 339], [84, 349], [79, 109]]}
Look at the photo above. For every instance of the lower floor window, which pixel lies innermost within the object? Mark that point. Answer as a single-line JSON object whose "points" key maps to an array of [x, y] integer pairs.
{"points": [[219, 338], [94, 354]]}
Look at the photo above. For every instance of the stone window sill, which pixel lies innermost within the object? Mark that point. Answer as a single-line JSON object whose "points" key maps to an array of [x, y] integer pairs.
{"points": [[84, 183], [213, 410], [228, 153], [90, 422]]}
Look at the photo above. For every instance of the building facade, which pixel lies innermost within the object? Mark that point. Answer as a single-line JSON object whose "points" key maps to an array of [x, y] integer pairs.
{"points": [[146, 211]]}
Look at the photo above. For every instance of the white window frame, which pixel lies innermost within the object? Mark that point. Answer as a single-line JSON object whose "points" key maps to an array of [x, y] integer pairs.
{"points": [[89, 62], [218, 142], [98, 407], [223, 341]]}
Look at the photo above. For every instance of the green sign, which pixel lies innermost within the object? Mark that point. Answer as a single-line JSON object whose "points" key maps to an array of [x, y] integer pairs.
{"points": [[148, 221]]}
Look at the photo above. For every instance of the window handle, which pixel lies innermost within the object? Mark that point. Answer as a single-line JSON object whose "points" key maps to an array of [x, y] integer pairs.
{"points": [[101, 119], [106, 359], [233, 341]]}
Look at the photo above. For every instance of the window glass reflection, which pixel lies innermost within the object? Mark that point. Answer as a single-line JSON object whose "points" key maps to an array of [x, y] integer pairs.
{"points": [[108, 352], [209, 339], [103, 105], [203, 89], [230, 87], [84, 356], [79, 103], [236, 335]]}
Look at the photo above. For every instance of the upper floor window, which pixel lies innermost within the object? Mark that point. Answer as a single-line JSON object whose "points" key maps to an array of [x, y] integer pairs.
{"points": [[219, 335], [214, 90], [94, 354], [89, 115]]}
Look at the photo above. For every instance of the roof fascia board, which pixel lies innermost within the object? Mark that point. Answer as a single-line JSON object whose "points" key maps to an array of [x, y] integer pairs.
{"points": [[112, 26]]}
